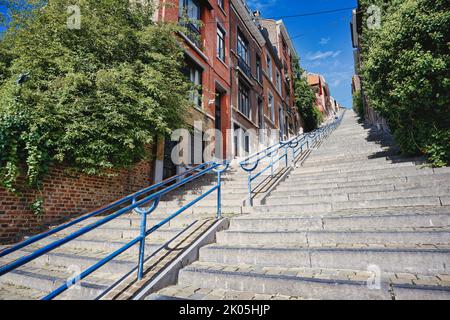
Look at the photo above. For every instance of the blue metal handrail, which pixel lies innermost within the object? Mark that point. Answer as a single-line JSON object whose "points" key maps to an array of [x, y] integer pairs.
{"points": [[296, 144], [100, 211], [136, 205]]}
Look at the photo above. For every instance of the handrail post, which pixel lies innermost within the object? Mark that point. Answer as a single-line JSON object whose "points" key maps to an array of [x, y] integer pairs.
{"points": [[286, 155], [142, 245], [219, 195], [293, 155], [271, 164], [250, 200]]}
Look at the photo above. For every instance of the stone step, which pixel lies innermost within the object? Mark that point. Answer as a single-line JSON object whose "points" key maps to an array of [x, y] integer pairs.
{"points": [[359, 196], [307, 283], [415, 259], [422, 180], [350, 168], [63, 258], [362, 157], [324, 207], [406, 236], [199, 208], [134, 221], [191, 197], [403, 186], [369, 175], [208, 201], [10, 291], [104, 245], [196, 293], [350, 222], [332, 161], [46, 280], [404, 168], [128, 233], [328, 152]]}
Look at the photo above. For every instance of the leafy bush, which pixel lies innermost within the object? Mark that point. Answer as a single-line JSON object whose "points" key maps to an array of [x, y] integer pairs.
{"points": [[305, 99], [95, 97], [358, 105], [405, 70]]}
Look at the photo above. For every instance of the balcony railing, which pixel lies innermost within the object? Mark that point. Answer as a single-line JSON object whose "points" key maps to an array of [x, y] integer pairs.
{"points": [[242, 64], [192, 32]]}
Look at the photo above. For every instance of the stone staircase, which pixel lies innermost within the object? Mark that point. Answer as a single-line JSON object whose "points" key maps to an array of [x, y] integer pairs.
{"points": [[354, 221], [41, 276]]}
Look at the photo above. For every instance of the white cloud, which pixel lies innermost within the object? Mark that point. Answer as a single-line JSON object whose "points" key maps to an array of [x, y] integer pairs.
{"points": [[322, 55], [336, 53], [261, 4], [319, 55], [324, 41]]}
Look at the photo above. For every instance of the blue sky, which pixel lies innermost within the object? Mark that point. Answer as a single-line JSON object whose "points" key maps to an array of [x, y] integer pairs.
{"points": [[325, 45], [2, 12], [322, 41]]}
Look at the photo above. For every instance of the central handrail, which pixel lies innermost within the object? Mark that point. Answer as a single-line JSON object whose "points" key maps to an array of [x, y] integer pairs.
{"points": [[296, 144], [136, 205]]}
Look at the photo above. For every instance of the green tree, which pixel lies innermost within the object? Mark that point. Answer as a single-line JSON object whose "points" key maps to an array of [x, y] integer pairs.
{"points": [[305, 99], [358, 105], [406, 66], [94, 97]]}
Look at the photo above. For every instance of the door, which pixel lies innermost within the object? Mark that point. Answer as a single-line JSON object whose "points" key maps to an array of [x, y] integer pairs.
{"points": [[169, 168]]}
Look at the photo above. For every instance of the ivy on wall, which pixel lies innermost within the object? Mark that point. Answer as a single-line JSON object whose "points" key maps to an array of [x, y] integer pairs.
{"points": [[92, 98]]}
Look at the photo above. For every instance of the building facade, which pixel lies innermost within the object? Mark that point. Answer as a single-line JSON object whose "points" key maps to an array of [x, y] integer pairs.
{"points": [[323, 98], [242, 67]]}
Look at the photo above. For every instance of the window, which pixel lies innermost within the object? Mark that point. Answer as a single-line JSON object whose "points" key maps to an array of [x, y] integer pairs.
{"points": [[244, 100], [247, 144], [258, 69], [280, 121], [260, 114], [242, 48], [278, 82], [271, 107], [190, 9], [220, 44], [269, 67], [197, 147], [194, 73], [221, 4], [189, 13]]}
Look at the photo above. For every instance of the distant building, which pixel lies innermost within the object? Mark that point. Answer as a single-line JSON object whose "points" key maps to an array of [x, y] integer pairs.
{"points": [[320, 87]]}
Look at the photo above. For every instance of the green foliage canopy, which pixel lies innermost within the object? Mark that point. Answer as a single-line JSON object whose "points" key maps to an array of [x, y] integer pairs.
{"points": [[305, 99], [406, 66], [96, 96]]}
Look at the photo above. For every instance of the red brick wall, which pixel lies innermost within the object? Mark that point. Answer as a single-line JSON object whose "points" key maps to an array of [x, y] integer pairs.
{"points": [[216, 73], [65, 196]]}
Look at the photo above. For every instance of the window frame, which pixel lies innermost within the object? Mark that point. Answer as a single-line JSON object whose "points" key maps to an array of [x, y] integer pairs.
{"points": [[244, 104], [222, 50], [271, 106], [194, 72], [258, 68], [269, 66], [278, 82], [242, 42]]}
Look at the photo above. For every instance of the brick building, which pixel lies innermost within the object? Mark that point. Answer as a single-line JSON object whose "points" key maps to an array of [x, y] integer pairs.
{"points": [[323, 97], [242, 66]]}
